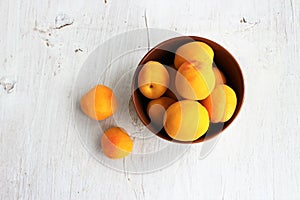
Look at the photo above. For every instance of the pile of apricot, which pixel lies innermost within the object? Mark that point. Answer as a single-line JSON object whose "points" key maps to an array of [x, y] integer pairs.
{"points": [[200, 95]]}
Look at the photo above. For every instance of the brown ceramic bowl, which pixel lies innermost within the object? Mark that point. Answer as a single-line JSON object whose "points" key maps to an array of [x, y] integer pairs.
{"points": [[165, 53]]}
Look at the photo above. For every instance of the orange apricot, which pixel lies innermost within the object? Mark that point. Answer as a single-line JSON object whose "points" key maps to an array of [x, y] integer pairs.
{"points": [[194, 51], [116, 143], [99, 103], [220, 104], [194, 80], [186, 120]]}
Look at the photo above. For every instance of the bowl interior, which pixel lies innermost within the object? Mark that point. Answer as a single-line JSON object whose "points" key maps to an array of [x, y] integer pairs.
{"points": [[165, 54]]}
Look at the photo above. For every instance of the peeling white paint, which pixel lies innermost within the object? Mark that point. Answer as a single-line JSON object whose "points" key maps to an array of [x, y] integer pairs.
{"points": [[7, 84], [63, 20]]}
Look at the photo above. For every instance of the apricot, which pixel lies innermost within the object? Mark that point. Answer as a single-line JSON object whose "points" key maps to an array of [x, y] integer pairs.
{"points": [[99, 103], [186, 120], [156, 110], [194, 80], [220, 104], [220, 78], [116, 143], [194, 51], [153, 80]]}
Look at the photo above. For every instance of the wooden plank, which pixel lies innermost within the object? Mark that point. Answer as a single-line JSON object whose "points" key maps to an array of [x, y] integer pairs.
{"points": [[41, 154]]}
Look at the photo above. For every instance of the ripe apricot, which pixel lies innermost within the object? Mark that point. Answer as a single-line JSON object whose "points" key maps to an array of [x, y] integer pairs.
{"points": [[194, 80], [99, 103], [153, 80], [186, 120], [221, 103], [198, 51], [116, 143]]}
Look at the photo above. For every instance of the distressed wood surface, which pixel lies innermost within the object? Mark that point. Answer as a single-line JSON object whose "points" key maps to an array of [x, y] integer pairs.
{"points": [[258, 157]]}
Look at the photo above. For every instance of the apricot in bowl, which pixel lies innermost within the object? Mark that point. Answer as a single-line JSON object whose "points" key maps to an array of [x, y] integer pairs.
{"points": [[217, 67]]}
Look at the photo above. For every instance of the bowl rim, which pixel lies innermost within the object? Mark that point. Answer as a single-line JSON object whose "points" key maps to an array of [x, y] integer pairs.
{"points": [[193, 38]]}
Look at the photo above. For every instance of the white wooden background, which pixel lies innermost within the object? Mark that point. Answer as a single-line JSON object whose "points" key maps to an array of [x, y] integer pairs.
{"points": [[41, 156]]}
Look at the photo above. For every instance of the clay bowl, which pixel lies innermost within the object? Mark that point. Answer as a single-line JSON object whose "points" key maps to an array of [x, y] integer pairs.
{"points": [[165, 53]]}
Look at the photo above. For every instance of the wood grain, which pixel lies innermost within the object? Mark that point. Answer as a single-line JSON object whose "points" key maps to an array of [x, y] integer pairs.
{"points": [[41, 155]]}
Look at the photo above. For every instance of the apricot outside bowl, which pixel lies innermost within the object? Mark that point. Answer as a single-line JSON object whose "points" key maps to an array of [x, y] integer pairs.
{"points": [[165, 54]]}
